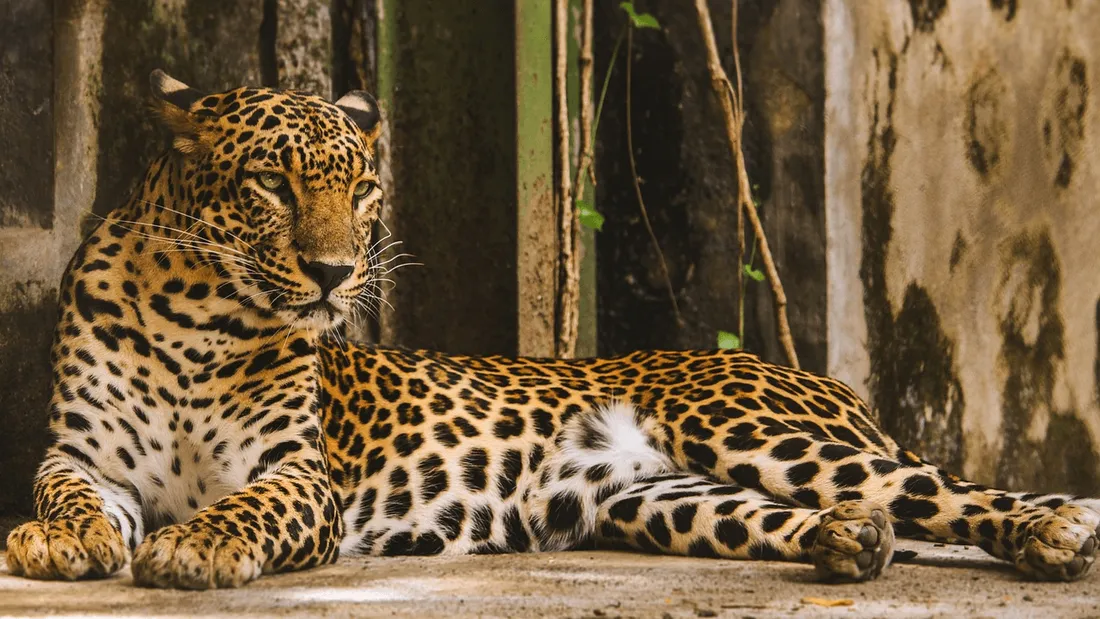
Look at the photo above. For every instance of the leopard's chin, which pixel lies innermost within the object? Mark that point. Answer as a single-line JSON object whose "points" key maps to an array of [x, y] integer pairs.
{"points": [[320, 315]]}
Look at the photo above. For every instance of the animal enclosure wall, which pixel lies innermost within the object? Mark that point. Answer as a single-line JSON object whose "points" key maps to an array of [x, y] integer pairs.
{"points": [[73, 88], [962, 173], [924, 170]]}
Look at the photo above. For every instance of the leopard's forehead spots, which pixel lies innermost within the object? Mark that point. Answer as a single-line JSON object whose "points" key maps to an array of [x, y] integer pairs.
{"points": [[292, 130]]}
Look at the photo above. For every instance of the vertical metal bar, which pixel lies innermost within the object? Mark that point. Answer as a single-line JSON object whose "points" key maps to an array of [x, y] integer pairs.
{"points": [[536, 220], [386, 12]]}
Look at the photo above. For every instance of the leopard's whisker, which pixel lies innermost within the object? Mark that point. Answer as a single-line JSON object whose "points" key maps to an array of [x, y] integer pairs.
{"points": [[199, 246], [389, 270], [190, 235], [391, 259], [201, 221], [374, 251]]}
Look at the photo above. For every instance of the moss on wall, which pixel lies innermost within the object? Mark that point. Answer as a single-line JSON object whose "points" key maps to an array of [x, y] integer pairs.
{"points": [[1032, 354], [26, 330], [976, 234], [913, 383]]}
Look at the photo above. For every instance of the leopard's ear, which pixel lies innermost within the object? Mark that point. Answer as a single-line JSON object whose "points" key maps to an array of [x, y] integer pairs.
{"points": [[172, 101], [171, 90], [362, 108]]}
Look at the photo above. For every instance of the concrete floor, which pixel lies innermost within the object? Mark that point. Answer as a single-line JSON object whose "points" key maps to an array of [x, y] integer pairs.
{"points": [[940, 581]]}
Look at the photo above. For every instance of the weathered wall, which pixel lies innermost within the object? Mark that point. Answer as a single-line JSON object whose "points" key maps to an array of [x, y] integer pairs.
{"points": [[77, 136], [41, 86], [962, 168], [448, 87]]}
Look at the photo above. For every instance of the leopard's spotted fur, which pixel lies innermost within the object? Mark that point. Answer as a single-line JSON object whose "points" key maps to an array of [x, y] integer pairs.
{"points": [[204, 420]]}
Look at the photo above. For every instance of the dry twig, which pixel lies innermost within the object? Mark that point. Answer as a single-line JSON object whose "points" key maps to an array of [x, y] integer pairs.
{"points": [[568, 297], [638, 186], [734, 122], [740, 278], [585, 61]]}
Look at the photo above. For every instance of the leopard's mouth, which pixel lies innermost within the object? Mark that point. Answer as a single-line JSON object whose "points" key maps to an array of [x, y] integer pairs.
{"points": [[319, 314], [322, 311], [313, 311]]}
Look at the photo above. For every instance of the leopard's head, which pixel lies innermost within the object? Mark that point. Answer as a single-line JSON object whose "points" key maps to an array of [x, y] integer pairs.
{"points": [[280, 190]]}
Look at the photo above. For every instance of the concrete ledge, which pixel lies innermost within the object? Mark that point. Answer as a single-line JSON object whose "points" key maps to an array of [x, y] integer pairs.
{"points": [[941, 581]]}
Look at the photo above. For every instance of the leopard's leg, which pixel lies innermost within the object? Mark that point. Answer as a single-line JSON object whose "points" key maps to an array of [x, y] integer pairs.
{"points": [[691, 515], [1051, 501], [85, 520], [923, 501], [1070, 506], [596, 454], [284, 519], [607, 467]]}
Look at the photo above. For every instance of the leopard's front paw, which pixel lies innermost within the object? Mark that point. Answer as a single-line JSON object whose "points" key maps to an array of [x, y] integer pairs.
{"points": [[84, 547], [194, 556], [855, 541], [1061, 545]]}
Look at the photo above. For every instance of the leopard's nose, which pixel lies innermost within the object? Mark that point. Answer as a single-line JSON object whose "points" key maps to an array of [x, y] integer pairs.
{"points": [[327, 276]]}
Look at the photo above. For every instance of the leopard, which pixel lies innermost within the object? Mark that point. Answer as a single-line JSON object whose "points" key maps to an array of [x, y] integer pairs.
{"points": [[211, 421]]}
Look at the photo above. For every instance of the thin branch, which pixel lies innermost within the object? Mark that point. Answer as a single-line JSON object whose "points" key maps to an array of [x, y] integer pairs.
{"points": [[733, 116], [638, 186], [739, 218], [587, 158], [739, 102], [585, 61], [568, 300]]}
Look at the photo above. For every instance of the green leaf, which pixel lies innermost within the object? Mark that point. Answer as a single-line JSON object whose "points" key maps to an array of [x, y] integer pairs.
{"points": [[639, 20], [589, 217], [752, 272], [728, 341]]}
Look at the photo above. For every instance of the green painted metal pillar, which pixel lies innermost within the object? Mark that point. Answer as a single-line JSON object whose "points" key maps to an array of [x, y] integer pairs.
{"points": [[537, 244], [538, 221]]}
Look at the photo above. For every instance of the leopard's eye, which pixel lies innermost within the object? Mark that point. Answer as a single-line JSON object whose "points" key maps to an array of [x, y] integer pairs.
{"points": [[271, 180], [363, 189]]}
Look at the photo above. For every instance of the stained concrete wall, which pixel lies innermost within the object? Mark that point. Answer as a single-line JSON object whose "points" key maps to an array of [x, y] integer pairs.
{"points": [[962, 173], [449, 91], [77, 136], [41, 212]]}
